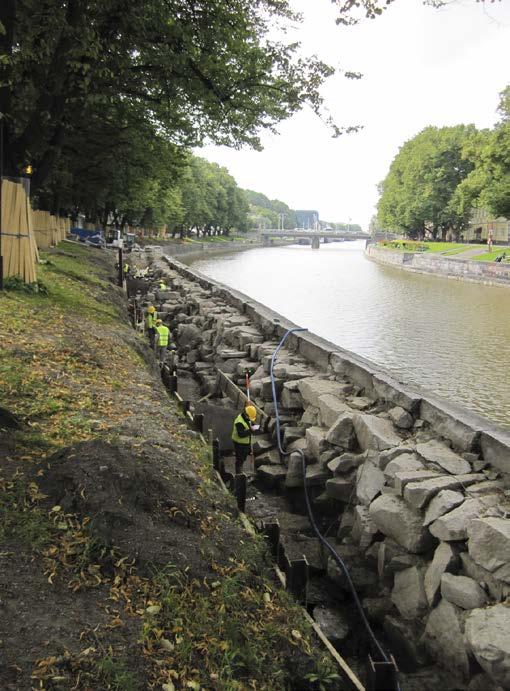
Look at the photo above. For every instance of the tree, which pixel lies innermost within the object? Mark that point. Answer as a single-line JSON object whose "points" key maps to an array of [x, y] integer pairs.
{"points": [[206, 69], [418, 194], [488, 184]]}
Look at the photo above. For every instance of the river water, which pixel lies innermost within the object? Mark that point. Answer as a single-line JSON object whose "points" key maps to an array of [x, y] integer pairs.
{"points": [[448, 336]]}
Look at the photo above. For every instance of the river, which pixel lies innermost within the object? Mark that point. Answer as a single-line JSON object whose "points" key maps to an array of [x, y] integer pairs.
{"points": [[448, 336]]}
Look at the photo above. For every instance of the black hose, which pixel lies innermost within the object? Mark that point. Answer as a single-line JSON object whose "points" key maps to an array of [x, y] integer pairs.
{"points": [[339, 561]]}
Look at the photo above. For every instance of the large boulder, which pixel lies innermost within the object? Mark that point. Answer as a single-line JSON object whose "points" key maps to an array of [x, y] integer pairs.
{"points": [[311, 389], [444, 501], [401, 522], [489, 542], [341, 433], [435, 451], [444, 640], [402, 463], [375, 433], [420, 493], [330, 408], [408, 594], [369, 482], [315, 441], [445, 560], [401, 418], [462, 591], [487, 634], [453, 525]]}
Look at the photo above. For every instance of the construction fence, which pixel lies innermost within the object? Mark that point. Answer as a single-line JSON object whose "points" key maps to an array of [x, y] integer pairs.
{"points": [[24, 232]]}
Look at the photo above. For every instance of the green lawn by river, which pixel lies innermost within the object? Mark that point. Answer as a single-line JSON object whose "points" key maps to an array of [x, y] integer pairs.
{"points": [[448, 249]]}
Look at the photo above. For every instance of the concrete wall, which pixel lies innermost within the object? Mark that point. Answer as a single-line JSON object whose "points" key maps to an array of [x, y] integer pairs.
{"points": [[489, 273]]}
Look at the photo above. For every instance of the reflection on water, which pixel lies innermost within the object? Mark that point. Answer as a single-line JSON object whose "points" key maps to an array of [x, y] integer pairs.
{"points": [[448, 336]]}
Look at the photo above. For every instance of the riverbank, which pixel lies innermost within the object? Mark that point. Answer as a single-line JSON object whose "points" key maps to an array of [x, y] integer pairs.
{"points": [[485, 272], [415, 488], [122, 563]]}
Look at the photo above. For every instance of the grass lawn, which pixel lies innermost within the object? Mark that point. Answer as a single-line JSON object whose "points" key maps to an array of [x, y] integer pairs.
{"points": [[491, 256]]}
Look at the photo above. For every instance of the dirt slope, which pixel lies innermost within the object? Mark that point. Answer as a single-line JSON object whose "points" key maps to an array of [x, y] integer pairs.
{"points": [[122, 564]]}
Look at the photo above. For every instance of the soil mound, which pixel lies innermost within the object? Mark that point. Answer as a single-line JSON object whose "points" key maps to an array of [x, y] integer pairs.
{"points": [[136, 505]]}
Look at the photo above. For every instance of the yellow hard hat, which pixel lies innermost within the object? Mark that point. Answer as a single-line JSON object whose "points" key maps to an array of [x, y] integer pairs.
{"points": [[159, 321], [251, 412], [151, 309]]}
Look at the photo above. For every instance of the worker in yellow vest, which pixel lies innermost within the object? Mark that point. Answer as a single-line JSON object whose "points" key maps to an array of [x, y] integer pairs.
{"points": [[244, 425], [162, 340], [162, 285], [150, 323]]}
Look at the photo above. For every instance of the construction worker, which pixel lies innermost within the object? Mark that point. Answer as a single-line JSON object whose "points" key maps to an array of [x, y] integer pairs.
{"points": [[126, 268], [241, 434], [150, 323], [161, 341], [162, 285]]}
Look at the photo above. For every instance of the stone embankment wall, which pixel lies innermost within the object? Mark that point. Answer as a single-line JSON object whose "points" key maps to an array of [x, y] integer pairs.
{"points": [[489, 273], [418, 486]]}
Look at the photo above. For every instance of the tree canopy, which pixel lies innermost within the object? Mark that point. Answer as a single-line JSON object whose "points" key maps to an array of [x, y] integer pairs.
{"points": [[101, 97], [441, 174]]}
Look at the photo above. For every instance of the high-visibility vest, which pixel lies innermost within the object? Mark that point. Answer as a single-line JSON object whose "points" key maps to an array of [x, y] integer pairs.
{"points": [[126, 268], [164, 334], [235, 435], [150, 320], [162, 286]]}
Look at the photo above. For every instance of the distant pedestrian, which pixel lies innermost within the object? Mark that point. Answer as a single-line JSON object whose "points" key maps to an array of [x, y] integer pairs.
{"points": [[161, 341], [162, 285], [150, 323], [241, 434], [126, 268]]}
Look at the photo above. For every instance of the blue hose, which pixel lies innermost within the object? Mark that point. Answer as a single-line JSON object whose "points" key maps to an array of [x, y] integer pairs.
{"points": [[339, 561]]}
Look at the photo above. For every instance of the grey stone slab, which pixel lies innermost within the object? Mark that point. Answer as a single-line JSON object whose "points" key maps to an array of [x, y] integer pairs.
{"points": [[437, 452], [489, 542], [361, 403], [364, 529], [271, 474], [332, 623], [316, 475], [420, 493], [389, 454], [403, 462], [375, 432], [340, 488], [401, 418], [341, 433], [408, 594], [462, 591], [391, 391], [453, 525], [311, 389], [330, 407], [395, 518], [369, 482], [445, 559], [498, 590], [444, 639], [316, 441], [346, 462], [402, 479], [291, 400], [487, 634], [486, 487], [444, 501]]}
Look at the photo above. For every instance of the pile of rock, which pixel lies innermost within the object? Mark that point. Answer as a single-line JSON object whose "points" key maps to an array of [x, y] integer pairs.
{"points": [[420, 492]]}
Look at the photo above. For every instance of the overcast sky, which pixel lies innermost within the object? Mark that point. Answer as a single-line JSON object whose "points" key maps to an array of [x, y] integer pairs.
{"points": [[421, 67]]}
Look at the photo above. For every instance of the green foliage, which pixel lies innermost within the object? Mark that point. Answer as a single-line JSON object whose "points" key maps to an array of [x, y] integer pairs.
{"points": [[104, 97], [265, 212], [488, 185], [20, 520], [418, 194]]}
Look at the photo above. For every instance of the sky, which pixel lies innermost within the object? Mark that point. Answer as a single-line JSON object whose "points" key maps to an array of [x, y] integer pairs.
{"points": [[421, 66]]}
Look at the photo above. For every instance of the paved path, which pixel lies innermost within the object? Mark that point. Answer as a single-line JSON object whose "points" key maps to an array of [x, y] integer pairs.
{"points": [[473, 252]]}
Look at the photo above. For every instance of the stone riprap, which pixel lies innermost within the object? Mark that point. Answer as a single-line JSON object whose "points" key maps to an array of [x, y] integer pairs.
{"points": [[419, 486]]}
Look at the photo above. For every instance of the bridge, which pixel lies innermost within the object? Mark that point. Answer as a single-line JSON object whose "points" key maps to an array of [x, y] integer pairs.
{"points": [[315, 235]]}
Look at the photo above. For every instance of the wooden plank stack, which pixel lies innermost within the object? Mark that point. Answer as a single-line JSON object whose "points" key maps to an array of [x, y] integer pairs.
{"points": [[19, 248]]}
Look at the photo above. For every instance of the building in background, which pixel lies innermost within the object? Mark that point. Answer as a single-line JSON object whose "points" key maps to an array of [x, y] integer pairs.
{"points": [[482, 224]]}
